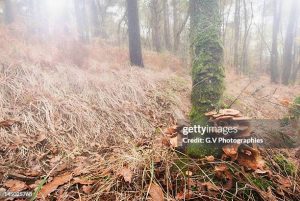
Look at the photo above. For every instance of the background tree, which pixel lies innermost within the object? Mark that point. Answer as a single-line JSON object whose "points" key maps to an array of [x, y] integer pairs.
{"points": [[155, 8], [207, 68], [274, 51], [8, 12], [95, 19], [236, 35], [135, 50], [289, 41], [81, 20], [167, 36]]}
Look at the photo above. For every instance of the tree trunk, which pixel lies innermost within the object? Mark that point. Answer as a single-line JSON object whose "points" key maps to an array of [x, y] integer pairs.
{"points": [[155, 24], [95, 22], [135, 50], [175, 26], [289, 42], [247, 27], [167, 36], [274, 51], [81, 19], [236, 35], [262, 35], [8, 12], [207, 68]]}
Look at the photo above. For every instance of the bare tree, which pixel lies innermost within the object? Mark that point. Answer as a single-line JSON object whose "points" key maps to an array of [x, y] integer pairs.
{"points": [[8, 12], [236, 34], [274, 51], [81, 19], [95, 21], [167, 36], [289, 41], [156, 24], [135, 50]]}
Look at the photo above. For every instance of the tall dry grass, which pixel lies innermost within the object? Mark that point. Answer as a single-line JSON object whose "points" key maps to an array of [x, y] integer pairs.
{"points": [[85, 105]]}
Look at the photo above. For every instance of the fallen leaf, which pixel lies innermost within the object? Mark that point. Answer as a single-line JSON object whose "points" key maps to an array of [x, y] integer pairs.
{"points": [[126, 173], [210, 186], [222, 172], [184, 195], [174, 142], [52, 186], [171, 130], [250, 158], [15, 185], [285, 183], [87, 189], [231, 150], [165, 141], [78, 180], [156, 192], [210, 158], [8, 123]]}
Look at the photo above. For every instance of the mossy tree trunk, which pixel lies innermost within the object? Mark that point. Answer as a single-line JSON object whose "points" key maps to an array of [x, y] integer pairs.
{"points": [[207, 54]]}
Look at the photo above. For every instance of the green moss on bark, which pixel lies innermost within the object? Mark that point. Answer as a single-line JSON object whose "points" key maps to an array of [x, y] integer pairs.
{"points": [[207, 69]]}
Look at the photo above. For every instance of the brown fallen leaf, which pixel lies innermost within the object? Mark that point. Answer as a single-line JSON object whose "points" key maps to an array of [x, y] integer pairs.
{"points": [[210, 186], [285, 182], [87, 189], [52, 186], [174, 142], [78, 180], [126, 173], [210, 158], [222, 172], [184, 196], [231, 150], [15, 185], [156, 192], [171, 130], [250, 158], [8, 123]]}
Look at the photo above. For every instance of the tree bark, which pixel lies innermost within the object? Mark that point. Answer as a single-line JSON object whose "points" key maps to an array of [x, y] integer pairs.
{"points": [[175, 26], [236, 35], [207, 67], [167, 35], [155, 24], [274, 51], [81, 19], [8, 12], [289, 41], [135, 50], [95, 21]]}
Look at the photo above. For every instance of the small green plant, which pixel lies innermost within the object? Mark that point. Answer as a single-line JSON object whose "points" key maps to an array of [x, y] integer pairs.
{"points": [[286, 166], [261, 183], [295, 108]]}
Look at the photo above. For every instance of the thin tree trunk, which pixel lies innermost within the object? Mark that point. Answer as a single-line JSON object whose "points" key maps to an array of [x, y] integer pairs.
{"points": [[289, 42], [135, 50], [167, 36], [175, 26], [95, 22], [8, 12], [155, 24], [261, 49], [274, 52], [236, 35], [81, 19]]}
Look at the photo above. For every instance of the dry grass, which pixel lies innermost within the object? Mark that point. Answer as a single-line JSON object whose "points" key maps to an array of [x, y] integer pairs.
{"points": [[83, 108]]}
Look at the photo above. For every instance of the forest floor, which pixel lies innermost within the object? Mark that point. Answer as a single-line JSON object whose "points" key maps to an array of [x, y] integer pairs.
{"points": [[78, 123]]}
